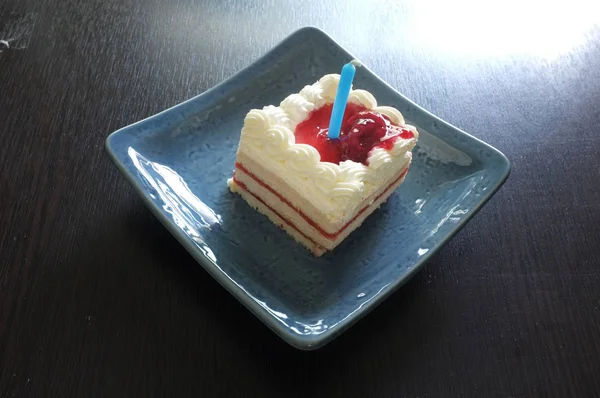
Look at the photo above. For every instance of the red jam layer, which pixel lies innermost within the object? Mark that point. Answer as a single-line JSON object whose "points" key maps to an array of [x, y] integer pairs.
{"points": [[285, 220], [362, 131]]}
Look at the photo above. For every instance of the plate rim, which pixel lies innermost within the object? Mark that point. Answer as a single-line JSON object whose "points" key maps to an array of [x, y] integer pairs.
{"points": [[309, 341]]}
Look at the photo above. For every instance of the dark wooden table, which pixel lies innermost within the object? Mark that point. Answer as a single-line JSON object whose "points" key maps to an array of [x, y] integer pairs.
{"points": [[97, 299]]}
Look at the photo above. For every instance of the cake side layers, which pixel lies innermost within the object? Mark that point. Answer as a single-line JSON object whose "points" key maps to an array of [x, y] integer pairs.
{"points": [[275, 218], [298, 199], [305, 223]]}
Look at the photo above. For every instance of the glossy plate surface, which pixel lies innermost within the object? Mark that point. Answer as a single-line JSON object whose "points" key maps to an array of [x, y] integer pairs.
{"points": [[179, 161]]}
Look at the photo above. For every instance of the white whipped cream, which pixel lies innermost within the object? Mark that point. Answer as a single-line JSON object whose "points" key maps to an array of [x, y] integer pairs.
{"points": [[268, 137]]}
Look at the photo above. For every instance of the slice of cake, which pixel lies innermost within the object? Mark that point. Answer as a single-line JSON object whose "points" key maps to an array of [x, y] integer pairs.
{"points": [[318, 189]]}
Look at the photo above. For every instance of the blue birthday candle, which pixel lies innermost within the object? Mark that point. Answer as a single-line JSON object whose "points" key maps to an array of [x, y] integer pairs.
{"points": [[341, 99]]}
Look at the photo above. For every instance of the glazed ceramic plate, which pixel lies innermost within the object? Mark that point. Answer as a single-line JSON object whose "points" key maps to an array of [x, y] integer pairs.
{"points": [[180, 159]]}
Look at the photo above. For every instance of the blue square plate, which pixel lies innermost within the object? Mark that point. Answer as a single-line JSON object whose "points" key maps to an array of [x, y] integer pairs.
{"points": [[179, 161]]}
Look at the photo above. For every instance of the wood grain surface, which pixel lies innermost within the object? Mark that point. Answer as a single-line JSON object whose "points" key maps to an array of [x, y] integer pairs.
{"points": [[98, 300]]}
